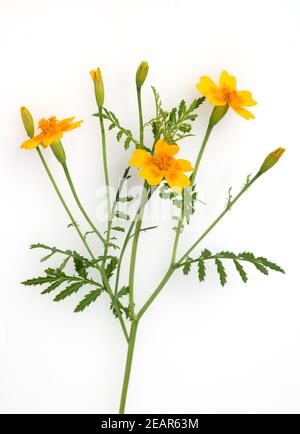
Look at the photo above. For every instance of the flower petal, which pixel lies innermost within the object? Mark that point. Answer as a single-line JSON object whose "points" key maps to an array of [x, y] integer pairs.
{"points": [[163, 148], [140, 158], [48, 140], [227, 81], [183, 166], [211, 91], [64, 122], [70, 127], [152, 175], [32, 143], [243, 112], [244, 98], [177, 180]]}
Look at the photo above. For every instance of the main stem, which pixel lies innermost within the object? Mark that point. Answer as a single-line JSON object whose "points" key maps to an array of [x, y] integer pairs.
{"points": [[100, 269], [128, 365], [70, 182], [105, 167]]}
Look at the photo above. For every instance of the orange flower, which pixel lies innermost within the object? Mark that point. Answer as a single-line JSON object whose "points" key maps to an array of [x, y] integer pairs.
{"points": [[162, 165], [52, 130], [226, 94]]}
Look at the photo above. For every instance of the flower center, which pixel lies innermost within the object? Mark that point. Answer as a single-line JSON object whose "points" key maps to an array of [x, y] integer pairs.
{"points": [[48, 126], [228, 94], [162, 162]]}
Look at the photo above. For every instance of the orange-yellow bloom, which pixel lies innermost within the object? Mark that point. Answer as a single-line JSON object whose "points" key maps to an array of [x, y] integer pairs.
{"points": [[51, 130], [154, 168], [226, 94]]}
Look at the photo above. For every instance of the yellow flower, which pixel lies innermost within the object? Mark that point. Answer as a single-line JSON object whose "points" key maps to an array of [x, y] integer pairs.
{"points": [[52, 130], [226, 94], [98, 86], [162, 165]]}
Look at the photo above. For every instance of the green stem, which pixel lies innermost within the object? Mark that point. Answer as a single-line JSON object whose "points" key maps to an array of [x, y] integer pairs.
{"points": [[105, 167], [136, 236], [193, 177], [70, 182], [139, 98], [100, 269], [128, 365]]}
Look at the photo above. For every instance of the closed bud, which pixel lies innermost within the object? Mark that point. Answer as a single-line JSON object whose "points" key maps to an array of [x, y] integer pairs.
{"points": [[141, 74], [58, 151], [217, 114], [27, 121], [98, 86], [271, 159]]}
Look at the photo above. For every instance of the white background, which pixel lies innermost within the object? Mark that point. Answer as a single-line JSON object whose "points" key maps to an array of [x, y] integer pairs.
{"points": [[201, 347]]}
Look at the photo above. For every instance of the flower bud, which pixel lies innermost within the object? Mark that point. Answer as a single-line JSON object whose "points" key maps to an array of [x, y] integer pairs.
{"points": [[217, 114], [27, 121], [98, 86], [141, 74], [271, 159], [58, 151]]}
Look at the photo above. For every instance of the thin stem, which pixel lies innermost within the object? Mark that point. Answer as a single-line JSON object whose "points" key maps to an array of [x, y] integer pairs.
{"points": [[128, 365], [70, 182], [141, 124], [136, 236], [150, 300], [193, 177], [107, 184], [100, 269]]}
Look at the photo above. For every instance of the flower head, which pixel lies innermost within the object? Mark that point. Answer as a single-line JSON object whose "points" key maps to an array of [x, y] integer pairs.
{"points": [[154, 168], [271, 160], [226, 94], [51, 131]]}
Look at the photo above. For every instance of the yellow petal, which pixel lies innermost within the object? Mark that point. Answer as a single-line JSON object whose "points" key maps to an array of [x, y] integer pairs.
{"points": [[177, 180], [244, 98], [227, 81], [48, 140], [140, 158], [163, 148], [243, 112], [183, 166], [32, 143], [211, 91], [70, 127], [152, 175], [64, 122]]}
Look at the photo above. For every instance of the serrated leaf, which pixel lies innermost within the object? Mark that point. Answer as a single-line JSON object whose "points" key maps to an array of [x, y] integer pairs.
{"points": [[187, 267], [69, 290], [201, 270], [206, 254], [119, 135], [127, 142], [88, 299], [123, 291], [221, 271], [241, 271], [111, 266], [52, 287], [39, 280]]}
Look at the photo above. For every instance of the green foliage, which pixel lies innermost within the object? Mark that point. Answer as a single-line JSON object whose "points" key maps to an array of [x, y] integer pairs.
{"points": [[89, 298], [116, 303], [123, 133], [261, 264], [176, 124], [122, 215]]}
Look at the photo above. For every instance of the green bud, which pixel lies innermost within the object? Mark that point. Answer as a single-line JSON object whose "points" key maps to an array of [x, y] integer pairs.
{"points": [[27, 121], [98, 86], [271, 159], [141, 74], [58, 151], [217, 114]]}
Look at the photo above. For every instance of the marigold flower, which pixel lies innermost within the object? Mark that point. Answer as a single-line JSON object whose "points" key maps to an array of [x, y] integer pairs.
{"points": [[162, 165], [226, 94], [52, 130]]}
